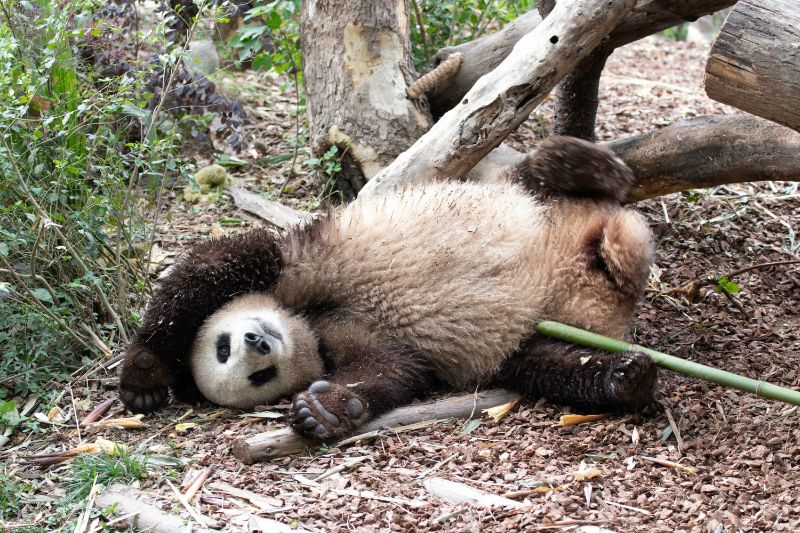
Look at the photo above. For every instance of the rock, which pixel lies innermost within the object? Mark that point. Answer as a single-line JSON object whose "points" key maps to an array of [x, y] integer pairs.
{"points": [[201, 58]]}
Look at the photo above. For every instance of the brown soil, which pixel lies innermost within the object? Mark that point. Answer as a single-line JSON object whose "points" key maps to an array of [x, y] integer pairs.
{"points": [[745, 450]]}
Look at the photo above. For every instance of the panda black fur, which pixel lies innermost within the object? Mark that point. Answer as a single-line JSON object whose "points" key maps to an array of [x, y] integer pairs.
{"points": [[376, 304]]}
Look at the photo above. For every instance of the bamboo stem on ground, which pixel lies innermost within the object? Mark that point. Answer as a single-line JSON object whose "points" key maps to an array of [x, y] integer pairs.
{"points": [[670, 362]]}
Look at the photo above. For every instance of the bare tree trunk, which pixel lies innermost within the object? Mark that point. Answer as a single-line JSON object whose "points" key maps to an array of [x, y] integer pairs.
{"points": [[755, 62], [357, 65], [503, 99]]}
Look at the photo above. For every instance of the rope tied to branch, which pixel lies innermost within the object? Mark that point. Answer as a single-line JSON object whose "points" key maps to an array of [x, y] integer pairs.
{"points": [[443, 70]]}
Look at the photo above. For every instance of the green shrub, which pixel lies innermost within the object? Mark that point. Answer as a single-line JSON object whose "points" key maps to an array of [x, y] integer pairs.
{"points": [[82, 161]]}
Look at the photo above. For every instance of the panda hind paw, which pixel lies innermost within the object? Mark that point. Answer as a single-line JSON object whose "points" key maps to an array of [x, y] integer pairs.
{"points": [[631, 380], [327, 411]]}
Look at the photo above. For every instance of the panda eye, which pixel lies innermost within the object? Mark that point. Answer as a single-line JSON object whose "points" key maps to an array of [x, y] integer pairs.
{"points": [[223, 348]]}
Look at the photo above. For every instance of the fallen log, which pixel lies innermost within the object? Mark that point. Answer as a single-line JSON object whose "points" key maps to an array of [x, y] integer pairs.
{"points": [[754, 64], [501, 100], [281, 442], [696, 153]]}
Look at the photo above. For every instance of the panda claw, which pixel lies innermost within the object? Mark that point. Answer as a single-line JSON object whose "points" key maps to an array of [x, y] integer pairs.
{"points": [[128, 396], [300, 404], [309, 422], [320, 430], [304, 412]]}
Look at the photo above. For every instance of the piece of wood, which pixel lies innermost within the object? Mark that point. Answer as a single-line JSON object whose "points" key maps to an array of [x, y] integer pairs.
{"points": [[357, 66], [754, 64], [484, 54], [139, 515], [501, 100], [280, 442], [696, 153], [707, 151], [461, 493], [275, 213]]}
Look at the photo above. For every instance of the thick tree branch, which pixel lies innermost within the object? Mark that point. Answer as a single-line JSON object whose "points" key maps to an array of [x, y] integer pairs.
{"points": [[480, 56], [504, 98], [484, 54], [707, 151]]}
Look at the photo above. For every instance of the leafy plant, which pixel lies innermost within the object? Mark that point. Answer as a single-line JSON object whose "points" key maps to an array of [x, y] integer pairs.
{"points": [[271, 38], [82, 162], [727, 286], [9, 498], [103, 469]]}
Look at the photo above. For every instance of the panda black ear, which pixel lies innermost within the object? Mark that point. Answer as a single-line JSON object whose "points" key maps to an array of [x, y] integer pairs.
{"points": [[573, 167]]}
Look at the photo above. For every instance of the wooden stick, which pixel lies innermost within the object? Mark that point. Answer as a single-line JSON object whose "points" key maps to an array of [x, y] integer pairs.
{"points": [[136, 513], [281, 442], [670, 362]]}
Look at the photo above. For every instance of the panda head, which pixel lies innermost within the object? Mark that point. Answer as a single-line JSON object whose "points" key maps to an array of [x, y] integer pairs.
{"points": [[252, 352]]}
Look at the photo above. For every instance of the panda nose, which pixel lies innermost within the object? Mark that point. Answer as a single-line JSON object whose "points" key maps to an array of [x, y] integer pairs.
{"points": [[258, 342]]}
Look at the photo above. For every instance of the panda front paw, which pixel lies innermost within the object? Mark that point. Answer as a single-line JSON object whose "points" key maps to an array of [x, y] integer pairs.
{"points": [[327, 411], [143, 400], [631, 380], [143, 381]]}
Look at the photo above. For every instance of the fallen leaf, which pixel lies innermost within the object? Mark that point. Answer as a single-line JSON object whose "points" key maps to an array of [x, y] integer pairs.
{"points": [[501, 411], [573, 420], [185, 426]]}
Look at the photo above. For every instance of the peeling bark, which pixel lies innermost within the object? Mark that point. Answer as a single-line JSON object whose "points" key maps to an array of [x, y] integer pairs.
{"points": [[357, 66], [755, 62], [504, 98]]}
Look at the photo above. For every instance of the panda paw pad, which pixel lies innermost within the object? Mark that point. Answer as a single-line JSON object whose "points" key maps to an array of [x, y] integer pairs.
{"points": [[327, 411], [631, 380], [143, 400]]}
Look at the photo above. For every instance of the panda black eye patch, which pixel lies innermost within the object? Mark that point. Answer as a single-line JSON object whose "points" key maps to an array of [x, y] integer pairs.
{"points": [[223, 347]]}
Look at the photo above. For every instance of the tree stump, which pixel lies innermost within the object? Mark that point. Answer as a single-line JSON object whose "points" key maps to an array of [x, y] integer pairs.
{"points": [[754, 64]]}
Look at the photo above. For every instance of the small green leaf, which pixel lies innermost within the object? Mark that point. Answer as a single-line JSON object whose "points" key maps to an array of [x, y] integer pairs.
{"points": [[42, 295], [3, 249], [263, 61], [726, 285]]}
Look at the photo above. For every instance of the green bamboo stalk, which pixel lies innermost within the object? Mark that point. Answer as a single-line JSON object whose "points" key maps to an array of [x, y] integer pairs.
{"points": [[670, 362]]}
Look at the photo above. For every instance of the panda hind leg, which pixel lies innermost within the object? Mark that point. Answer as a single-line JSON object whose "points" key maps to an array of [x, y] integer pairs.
{"points": [[586, 379]]}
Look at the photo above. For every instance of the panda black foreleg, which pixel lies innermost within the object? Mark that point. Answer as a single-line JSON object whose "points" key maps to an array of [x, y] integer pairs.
{"points": [[366, 385], [210, 275], [587, 379]]}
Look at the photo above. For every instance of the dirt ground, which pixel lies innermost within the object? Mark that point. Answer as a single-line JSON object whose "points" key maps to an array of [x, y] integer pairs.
{"points": [[740, 453]]}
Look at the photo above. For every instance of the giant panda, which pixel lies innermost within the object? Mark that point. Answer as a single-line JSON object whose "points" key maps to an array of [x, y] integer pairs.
{"points": [[439, 284]]}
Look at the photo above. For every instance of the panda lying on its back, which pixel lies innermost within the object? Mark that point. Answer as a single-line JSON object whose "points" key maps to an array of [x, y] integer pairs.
{"points": [[377, 303]]}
